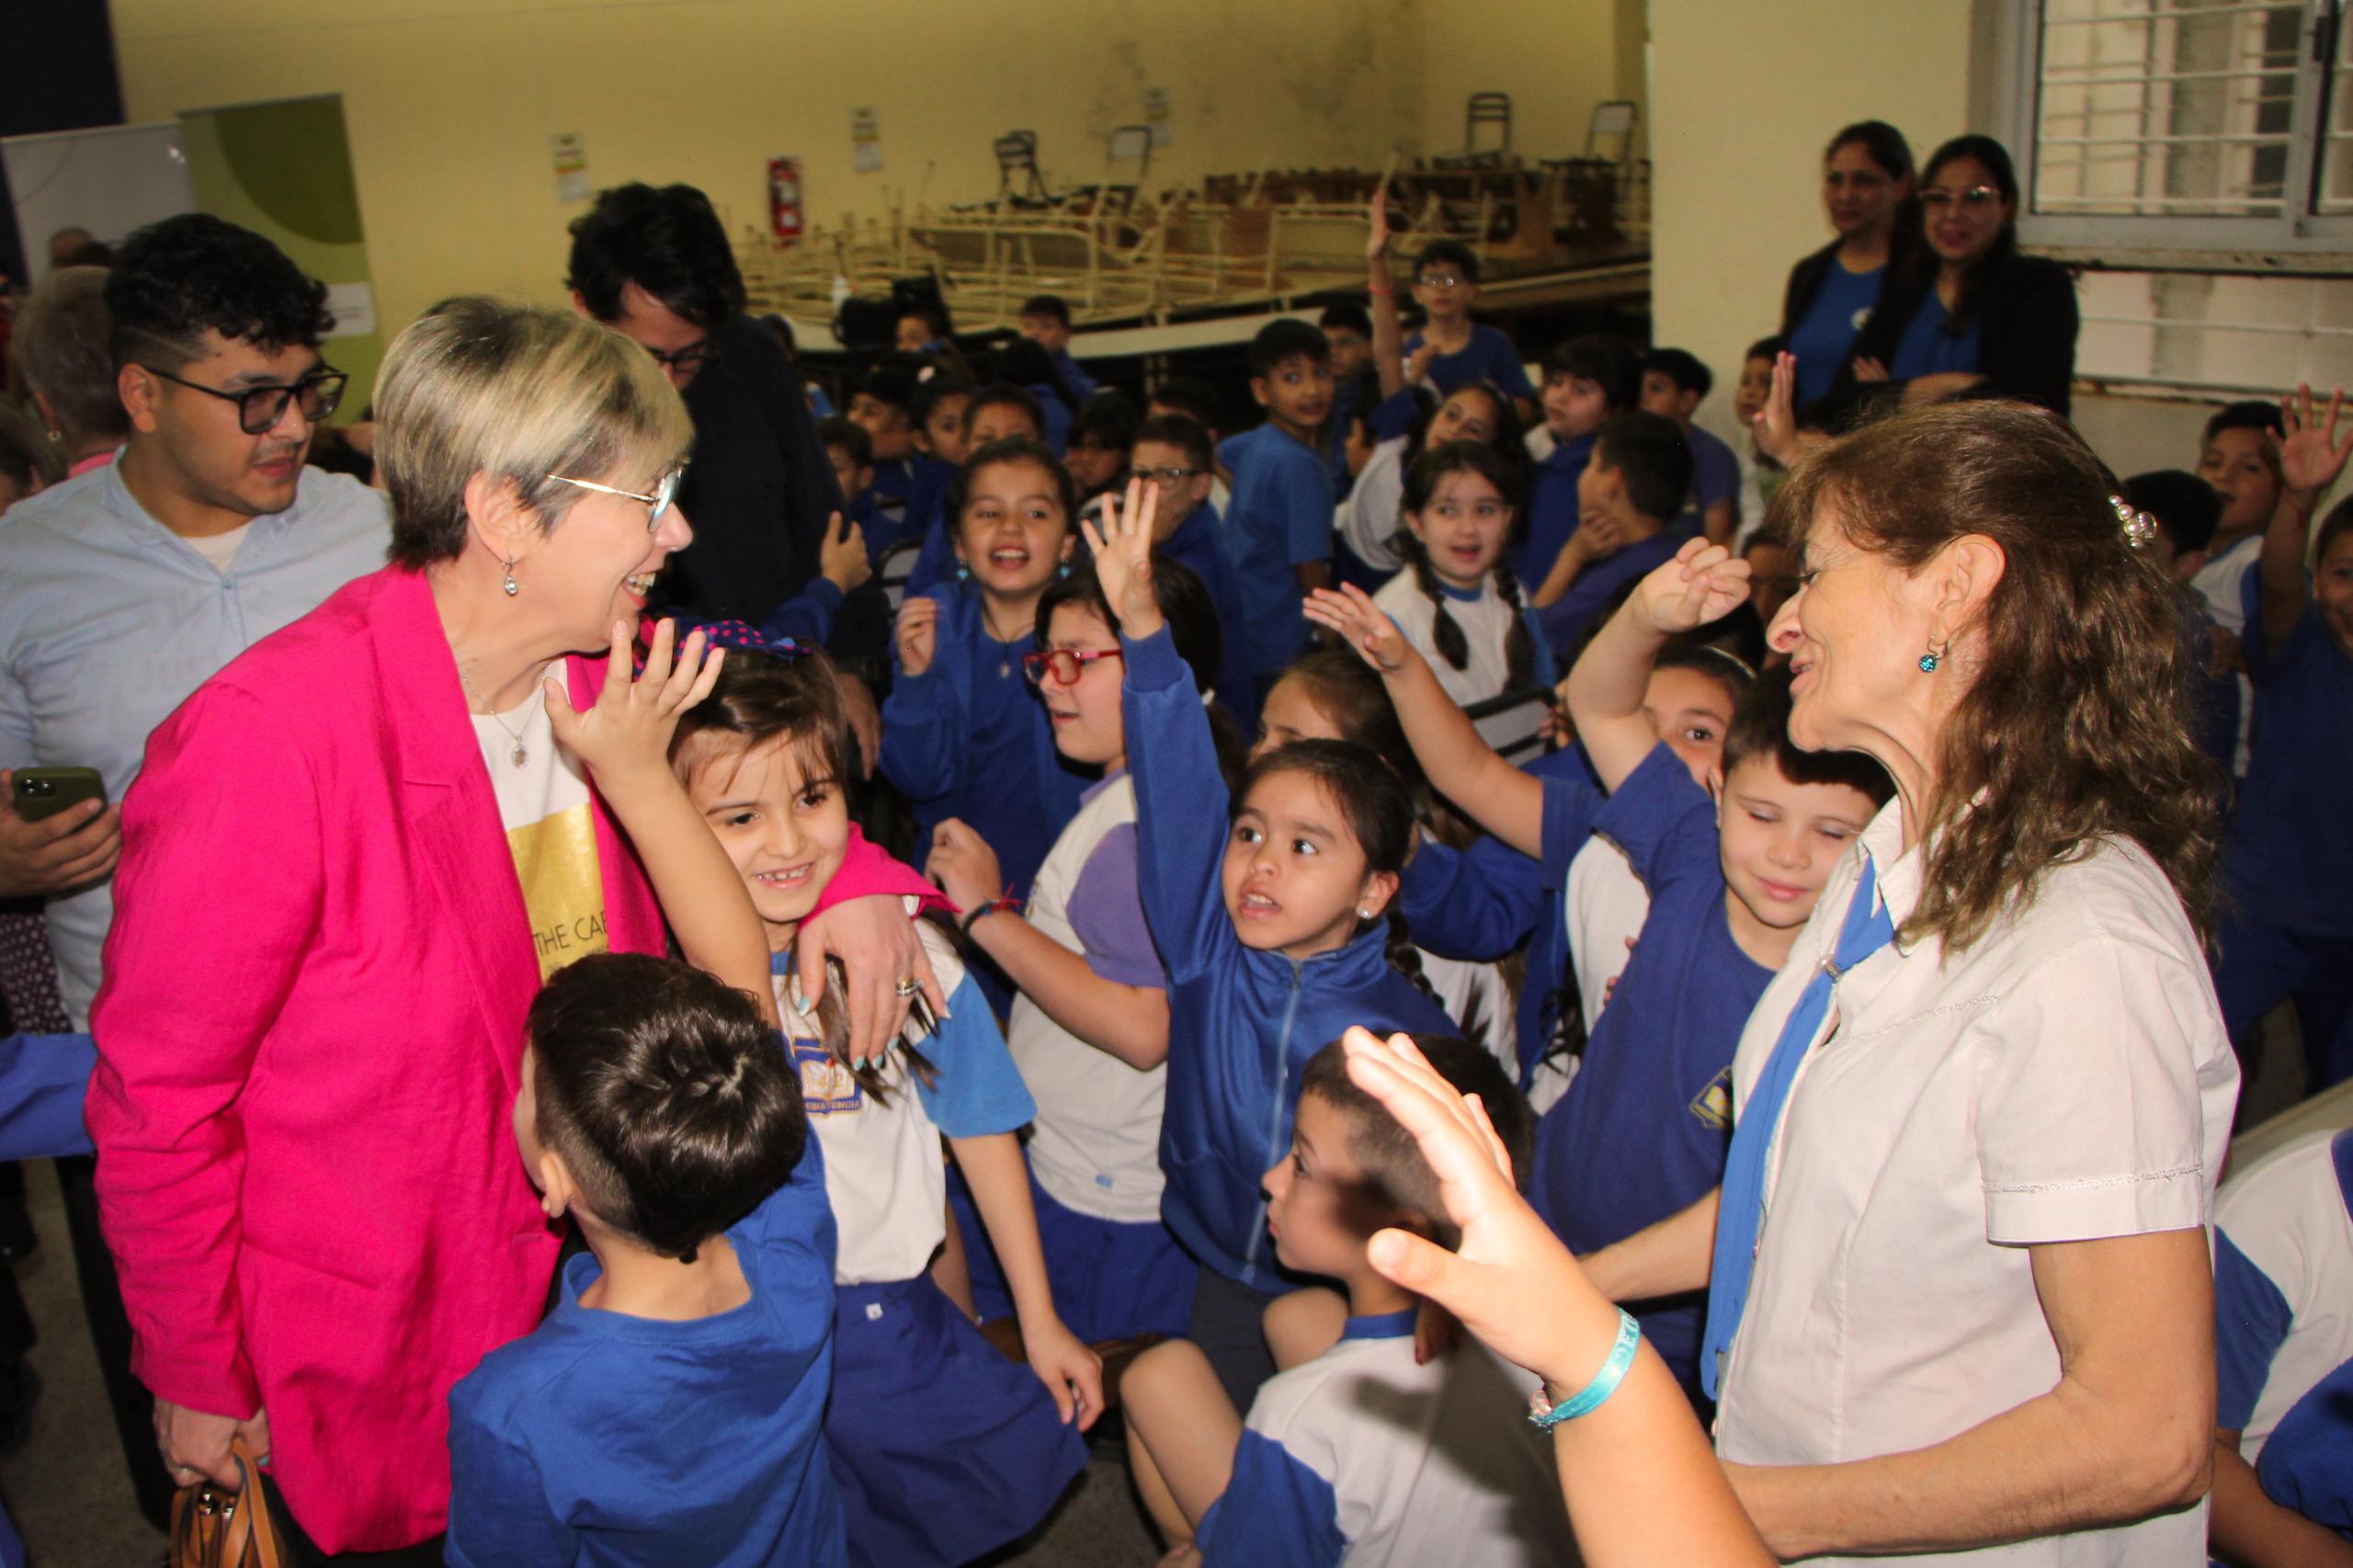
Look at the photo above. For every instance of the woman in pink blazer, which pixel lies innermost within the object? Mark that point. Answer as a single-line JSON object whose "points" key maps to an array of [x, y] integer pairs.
{"points": [[343, 879]]}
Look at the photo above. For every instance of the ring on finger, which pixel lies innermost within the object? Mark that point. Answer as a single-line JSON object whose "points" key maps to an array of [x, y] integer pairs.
{"points": [[908, 986]]}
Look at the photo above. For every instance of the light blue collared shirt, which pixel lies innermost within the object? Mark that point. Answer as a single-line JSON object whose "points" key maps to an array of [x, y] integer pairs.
{"points": [[108, 620]]}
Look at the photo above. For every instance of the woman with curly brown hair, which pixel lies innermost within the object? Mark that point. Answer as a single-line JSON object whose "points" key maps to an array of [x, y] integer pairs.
{"points": [[1959, 1293]]}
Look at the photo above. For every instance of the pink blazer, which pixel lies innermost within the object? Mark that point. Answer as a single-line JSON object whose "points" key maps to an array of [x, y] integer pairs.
{"points": [[308, 1041]]}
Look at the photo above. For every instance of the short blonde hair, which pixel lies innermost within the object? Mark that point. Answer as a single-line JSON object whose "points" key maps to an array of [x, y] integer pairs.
{"points": [[62, 347], [478, 386]]}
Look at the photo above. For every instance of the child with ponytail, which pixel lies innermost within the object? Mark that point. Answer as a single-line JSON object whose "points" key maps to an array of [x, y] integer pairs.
{"points": [[1269, 907], [1458, 601]]}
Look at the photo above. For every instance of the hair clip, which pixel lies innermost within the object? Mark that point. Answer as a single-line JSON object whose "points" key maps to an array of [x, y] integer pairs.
{"points": [[2138, 526]]}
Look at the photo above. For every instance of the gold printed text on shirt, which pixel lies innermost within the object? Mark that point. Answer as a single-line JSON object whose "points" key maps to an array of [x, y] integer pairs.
{"points": [[563, 891]]}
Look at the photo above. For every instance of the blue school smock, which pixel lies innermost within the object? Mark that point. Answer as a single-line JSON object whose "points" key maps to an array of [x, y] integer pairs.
{"points": [[1825, 334], [1566, 621], [960, 740], [1242, 1023], [1928, 349], [1059, 415], [1279, 517], [1488, 357], [1081, 384], [603, 1438], [2308, 1464], [1552, 509], [2288, 857], [1480, 904], [1644, 1129], [1195, 544], [927, 519], [1715, 476]]}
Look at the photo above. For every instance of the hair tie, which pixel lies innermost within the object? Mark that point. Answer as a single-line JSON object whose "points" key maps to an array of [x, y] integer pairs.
{"points": [[2139, 527]]}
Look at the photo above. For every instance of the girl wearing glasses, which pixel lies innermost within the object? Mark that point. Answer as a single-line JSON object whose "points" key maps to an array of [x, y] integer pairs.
{"points": [[1968, 315], [1089, 1029]]}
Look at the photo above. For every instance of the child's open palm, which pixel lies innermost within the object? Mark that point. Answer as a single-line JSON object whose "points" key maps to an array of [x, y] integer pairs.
{"points": [[1121, 540], [1350, 612], [625, 733], [2310, 455], [1072, 1374], [1376, 242], [1703, 583], [1777, 422]]}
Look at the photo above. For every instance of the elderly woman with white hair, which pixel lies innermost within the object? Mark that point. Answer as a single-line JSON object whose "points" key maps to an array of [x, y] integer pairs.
{"points": [[351, 859]]}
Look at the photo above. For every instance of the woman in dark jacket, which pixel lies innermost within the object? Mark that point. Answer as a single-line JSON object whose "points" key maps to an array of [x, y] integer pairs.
{"points": [[1867, 184], [1971, 314]]}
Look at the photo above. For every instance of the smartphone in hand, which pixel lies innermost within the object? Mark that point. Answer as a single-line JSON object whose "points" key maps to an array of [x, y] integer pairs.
{"points": [[39, 793]]}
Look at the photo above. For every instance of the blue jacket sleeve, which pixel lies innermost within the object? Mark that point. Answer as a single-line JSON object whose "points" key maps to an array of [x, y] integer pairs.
{"points": [[924, 722], [1181, 806], [1475, 904], [936, 562], [1664, 821], [498, 1505], [980, 1092], [2251, 1322], [43, 1080], [1276, 1513], [808, 618]]}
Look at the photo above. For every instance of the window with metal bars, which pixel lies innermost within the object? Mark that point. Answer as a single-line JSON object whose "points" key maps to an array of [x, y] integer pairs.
{"points": [[2185, 126]]}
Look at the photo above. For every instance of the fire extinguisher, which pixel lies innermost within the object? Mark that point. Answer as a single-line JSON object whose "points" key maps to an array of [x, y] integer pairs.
{"points": [[784, 198]]}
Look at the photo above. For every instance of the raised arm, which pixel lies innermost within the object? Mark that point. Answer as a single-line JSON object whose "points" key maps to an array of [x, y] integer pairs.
{"points": [[1605, 690], [1462, 766], [1388, 331], [624, 739], [2310, 460]]}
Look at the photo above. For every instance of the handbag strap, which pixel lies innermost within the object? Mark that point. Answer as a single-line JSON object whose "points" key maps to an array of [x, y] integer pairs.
{"points": [[252, 1519]]}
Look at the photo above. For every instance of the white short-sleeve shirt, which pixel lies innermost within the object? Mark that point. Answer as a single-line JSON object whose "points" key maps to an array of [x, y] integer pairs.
{"points": [[2288, 1214], [1605, 907], [2065, 1077], [1486, 621]]}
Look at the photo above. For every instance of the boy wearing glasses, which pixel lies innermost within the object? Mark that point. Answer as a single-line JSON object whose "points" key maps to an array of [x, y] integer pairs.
{"points": [[1174, 453], [124, 589], [1451, 349]]}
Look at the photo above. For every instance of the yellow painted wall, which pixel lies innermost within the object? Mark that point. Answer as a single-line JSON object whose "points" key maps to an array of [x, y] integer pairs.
{"points": [[1744, 97], [450, 106], [1557, 60]]}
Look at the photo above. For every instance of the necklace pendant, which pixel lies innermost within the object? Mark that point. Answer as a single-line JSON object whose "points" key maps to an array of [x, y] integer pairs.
{"points": [[518, 755], [1003, 669]]}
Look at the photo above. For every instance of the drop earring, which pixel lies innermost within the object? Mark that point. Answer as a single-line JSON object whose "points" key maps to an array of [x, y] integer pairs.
{"points": [[963, 573], [510, 584], [1933, 657]]}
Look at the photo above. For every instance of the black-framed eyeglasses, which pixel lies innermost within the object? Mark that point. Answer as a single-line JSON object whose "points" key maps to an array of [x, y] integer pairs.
{"points": [[260, 408], [1063, 663], [666, 490], [1977, 198], [1166, 478], [693, 356]]}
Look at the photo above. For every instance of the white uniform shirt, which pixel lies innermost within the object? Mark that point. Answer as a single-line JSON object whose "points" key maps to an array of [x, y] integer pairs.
{"points": [[2288, 1214], [1374, 509], [2065, 1077], [1095, 1144], [1486, 621], [1605, 907]]}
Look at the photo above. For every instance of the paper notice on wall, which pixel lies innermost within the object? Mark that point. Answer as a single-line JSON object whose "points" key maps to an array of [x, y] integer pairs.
{"points": [[1156, 115], [353, 305], [570, 151], [865, 140]]}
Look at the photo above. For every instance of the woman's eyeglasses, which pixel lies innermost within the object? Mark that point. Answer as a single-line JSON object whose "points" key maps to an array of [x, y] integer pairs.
{"points": [[1063, 663], [666, 490], [260, 408], [1976, 198]]}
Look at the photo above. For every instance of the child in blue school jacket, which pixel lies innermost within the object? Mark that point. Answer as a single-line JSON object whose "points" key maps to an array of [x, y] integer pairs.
{"points": [[1278, 522], [1174, 453], [1271, 909]]}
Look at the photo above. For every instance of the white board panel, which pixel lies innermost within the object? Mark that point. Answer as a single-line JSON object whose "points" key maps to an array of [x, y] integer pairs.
{"points": [[108, 180]]}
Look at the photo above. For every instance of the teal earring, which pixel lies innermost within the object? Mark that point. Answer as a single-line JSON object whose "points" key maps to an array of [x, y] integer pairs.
{"points": [[1064, 569], [1933, 657], [963, 573]]}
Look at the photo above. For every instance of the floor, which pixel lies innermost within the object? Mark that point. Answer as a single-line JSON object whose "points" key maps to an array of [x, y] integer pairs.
{"points": [[66, 1491]]}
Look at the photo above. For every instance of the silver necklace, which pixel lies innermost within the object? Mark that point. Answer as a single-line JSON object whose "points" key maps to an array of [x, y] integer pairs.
{"points": [[988, 624], [521, 754]]}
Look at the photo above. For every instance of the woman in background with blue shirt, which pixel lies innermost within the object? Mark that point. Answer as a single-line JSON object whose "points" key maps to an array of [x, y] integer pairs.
{"points": [[1867, 184], [1969, 313]]}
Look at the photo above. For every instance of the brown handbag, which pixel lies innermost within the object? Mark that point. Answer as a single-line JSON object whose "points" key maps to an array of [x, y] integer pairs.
{"points": [[213, 1527]]}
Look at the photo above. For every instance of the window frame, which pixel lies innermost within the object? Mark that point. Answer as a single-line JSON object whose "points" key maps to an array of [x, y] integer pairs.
{"points": [[2298, 240]]}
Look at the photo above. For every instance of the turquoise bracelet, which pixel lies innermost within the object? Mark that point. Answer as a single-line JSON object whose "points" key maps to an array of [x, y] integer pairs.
{"points": [[1586, 1400]]}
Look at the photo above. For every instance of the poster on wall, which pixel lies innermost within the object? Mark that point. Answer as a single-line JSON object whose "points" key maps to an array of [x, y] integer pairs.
{"points": [[865, 140], [284, 171], [108, 180], [569, 150]]}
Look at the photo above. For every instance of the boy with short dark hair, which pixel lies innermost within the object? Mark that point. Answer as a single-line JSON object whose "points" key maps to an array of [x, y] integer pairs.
{"points": [[2239, 456], [879, 400], [1637, 474], [1361, 1454], [1045, 321], [1348, 327], [1675, 383], [1759, 475], [1174, 453], [1586, 380], [1278, 524], [2186, 509], [1451, 350]]}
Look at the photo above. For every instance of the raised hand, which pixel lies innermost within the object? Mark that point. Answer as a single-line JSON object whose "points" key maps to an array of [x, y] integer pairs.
{"points": [[2310, 455], [1777, 422], [1350, 612], [626, 731], [919, 633], [1868, 370], [1121, 542], [1376, 242], [1703, 583], [841, 560], [963, 865]]}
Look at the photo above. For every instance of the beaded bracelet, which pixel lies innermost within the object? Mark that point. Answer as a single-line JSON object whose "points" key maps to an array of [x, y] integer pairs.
{"points": [[1545, 1416]]}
